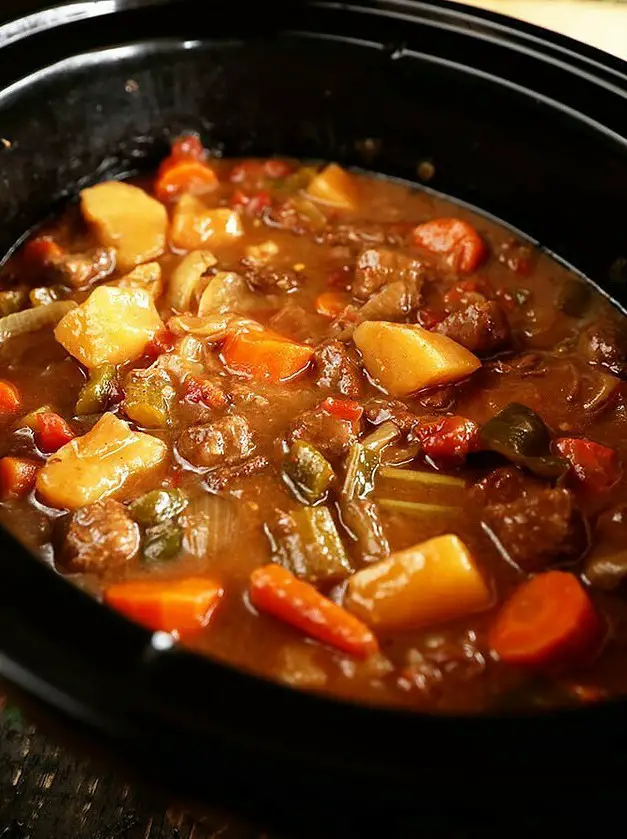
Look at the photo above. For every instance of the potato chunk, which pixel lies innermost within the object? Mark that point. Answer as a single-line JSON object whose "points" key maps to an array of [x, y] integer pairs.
{"points": [[147, 277], [127, 219], [430, 583], [404, 358], [108, 461], [113, 325], [194, 224], [334, 186]]}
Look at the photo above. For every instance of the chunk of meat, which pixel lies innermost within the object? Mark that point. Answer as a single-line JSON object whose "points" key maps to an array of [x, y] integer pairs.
{"points": [[392, 302], [481, 327], [101, 537], [336, 368], [377, 267], [221, 478], [378, 410], [605, 343], [441, 398], [540, 528], [331, 435], [503, 485], [267, 279], [225, 442], [295, 322]]}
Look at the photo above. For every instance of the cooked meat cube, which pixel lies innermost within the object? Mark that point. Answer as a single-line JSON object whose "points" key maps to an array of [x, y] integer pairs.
{"points": [[221, 478], [336, 368], [330, 435], [101, 537], [392, 302], [222, 443], [267, 279], [538, 529], [605, 343], [369, 233], [295, 322], [441, 398], [481, 327], [502, 485], [378, 410], [378, 267], [607, 571]]}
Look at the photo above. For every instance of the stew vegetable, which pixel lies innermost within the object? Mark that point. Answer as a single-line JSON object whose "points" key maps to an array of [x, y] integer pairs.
{"points": [[325, 427]]}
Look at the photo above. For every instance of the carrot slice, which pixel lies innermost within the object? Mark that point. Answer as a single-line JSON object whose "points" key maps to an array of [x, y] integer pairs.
{"points": [[275, 590], [52, 431], [17, 476], [185, 175], [331, 304], [265, 355], [10, 399], [167, 605], [548, 620], [455, 238]]}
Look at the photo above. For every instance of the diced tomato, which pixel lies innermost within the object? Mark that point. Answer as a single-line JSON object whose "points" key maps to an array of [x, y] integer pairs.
{"points": [[331, 304], [205, 391], [455, 239], [253, 205], [10, 399], [465, 291], [344, 409], [595, 468], [17, 476], [276, 169], [427, 318], [51, 431], [188, 147], [42, 251], [163, 342], [246, 170], [449, 439]]}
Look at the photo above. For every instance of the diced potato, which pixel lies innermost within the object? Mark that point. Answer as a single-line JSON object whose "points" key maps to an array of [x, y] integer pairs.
{"points": [[186, 277], [404, 358], [193, 224], [113, 325], [428, 584], [147, 277], [127, 219], [334, 186], [110, 460], [227, 292]]}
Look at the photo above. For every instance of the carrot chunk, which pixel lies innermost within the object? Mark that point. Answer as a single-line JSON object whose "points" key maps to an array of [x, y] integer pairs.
{"points": [[594, 467], [167, 605], [265, 355], [17, 476], [330, 304], [51, 431], [345, 409], [275, 590], [458, 240], [10, 399], [548, 620], [184, 176]]}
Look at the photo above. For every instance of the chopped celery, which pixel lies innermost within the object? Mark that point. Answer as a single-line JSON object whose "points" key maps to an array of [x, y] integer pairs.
{"points": [[386, 433], [308, 544], [414, 507], [149, 397], [162, 542], [158, 506], [394, 474], [361, 466], [96, 392], [308, 471], [360, 516]]}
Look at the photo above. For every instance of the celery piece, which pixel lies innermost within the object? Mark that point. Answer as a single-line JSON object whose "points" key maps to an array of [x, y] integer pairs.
{"points": [[308, 544], [414, 507], [97, 391], [394, 474], [386, 433], [361, 466], [162, 542], [308, 472], [361, 518], [157, 506], [149, 397]]}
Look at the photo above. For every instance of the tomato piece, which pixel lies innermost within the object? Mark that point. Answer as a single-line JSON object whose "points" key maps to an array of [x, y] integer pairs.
{"points": [[163, 342], [454, 238], [277, 169], [42, 251], [595, 468], [449, 439], [428, 319], [344, 409], [52, 431], [204, 391], [246, 170], [188, 147], [331, 304], [17, 476], [10, 399]]}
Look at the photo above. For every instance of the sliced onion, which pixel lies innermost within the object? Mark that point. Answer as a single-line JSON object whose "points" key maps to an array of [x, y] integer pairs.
{"points": [[31, 320], [209, 523], [213, 328]]}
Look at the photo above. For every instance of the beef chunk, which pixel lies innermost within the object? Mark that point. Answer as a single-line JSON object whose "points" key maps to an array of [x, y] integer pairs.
{"points": [[222, 443], [362, 233], [378, 410], [481, 327], [295, 322], [392, 302], [266, 279], [337, 368], [441, 398], [539, 528], [378, 267], [605, 343], [503, 485], [101, 536], [220, 479], [330, 435]]}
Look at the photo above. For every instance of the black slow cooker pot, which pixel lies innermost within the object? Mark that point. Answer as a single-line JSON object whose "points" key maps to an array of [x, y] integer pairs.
{"points": [[525, 125]]}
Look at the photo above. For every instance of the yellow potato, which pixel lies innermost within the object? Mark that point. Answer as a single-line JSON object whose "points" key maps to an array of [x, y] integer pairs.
{"points": [[113, 325], [193, 224], [185, 278], [127, 219], [428, 584], [404, 358], [334, 186], [110, 460], [147, 277]]}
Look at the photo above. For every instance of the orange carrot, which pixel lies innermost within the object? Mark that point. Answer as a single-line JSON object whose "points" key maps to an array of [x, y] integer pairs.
{"points": [[455, 238], [548, 620], [186, 175], [345, 409], [167, 605], [17, 476], [330, 304], [275, 590], [52, 431], [10, 399], [265, 355], [42, 251]]}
